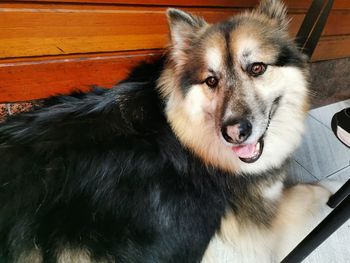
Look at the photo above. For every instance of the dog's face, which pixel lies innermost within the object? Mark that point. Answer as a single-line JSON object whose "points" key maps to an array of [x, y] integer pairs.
{"points": [[236, 91]]}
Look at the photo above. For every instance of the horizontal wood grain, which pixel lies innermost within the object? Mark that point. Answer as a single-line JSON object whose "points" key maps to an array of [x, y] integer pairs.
{"points": [[71, 30], [332, 47], [215, 3], [34, 78], [66, 29], [339, 4]]}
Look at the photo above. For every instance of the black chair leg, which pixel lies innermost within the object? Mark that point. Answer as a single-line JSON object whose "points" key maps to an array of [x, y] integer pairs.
{"points": [[340, 195], [313, 25]]}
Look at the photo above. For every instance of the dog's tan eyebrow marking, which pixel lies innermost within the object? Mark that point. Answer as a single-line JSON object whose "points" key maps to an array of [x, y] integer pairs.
{"points": [[214, 58]]}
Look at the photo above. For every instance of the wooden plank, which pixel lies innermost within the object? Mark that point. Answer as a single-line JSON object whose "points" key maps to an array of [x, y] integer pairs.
{"points": [[71, 29], [38, 78], [338, 23], [26, 79], [299, 4], [215, 3], [332, 47]]}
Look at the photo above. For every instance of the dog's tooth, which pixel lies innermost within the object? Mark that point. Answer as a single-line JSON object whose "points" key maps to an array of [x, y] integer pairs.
{"points": [[257, 147]]}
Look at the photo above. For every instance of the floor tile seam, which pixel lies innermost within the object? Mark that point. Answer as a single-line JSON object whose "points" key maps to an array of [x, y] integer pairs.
{"points": [[324, 125], [338, 171], [306, 170]]}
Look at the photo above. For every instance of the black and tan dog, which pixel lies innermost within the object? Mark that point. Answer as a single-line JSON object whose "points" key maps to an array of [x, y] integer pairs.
{"points": [[184, 161]]}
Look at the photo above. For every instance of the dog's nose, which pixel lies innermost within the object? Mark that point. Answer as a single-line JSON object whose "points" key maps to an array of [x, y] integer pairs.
{"points": [[236, 131]]}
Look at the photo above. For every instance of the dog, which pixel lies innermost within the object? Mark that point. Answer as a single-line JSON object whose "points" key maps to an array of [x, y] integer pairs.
{"points": [[183, 161]]}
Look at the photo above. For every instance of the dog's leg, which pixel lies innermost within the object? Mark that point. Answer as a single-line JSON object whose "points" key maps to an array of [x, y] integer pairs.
{"points": [[299, 212], [239, 243]]}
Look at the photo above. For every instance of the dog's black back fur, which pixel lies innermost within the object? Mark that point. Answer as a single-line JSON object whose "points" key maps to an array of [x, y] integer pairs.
{"points": [[103, 171]]}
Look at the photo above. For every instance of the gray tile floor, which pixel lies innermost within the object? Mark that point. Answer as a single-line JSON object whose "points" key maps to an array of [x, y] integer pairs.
{"points": [[321, 156]]}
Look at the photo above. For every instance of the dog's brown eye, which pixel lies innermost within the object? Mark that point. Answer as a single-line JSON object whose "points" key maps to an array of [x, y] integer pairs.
{"points": [[212, 82], [257, 69]]}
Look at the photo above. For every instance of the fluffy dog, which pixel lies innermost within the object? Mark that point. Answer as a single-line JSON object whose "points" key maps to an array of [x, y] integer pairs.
{"points": [[183, 161]]}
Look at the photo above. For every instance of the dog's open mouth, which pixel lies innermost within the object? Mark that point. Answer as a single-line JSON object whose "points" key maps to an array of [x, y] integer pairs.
{"points": [[249, 153]]}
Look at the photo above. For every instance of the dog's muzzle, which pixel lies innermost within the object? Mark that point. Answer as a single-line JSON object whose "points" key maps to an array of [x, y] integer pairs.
{"points": [[238, 131]]}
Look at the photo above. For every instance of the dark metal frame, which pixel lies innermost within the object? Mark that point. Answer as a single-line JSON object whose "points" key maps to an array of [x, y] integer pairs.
{"points": [[307, 38], [311, 29]]}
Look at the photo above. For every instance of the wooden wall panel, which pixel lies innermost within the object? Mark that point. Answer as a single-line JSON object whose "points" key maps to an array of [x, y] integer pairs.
{"points": [[31, 79], [201, 3], [332, 47], [304, 4], [67, 29], [49, 47]]}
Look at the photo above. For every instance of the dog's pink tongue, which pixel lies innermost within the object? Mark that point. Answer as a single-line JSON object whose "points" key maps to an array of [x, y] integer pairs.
{"points": [[245, 151]]}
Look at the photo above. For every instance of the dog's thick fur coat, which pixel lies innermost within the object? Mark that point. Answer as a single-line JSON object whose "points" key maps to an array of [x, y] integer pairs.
{"points": [[136, 174]]}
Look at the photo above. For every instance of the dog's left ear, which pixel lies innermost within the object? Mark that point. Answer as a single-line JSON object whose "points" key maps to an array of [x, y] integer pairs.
{"points": [[183, 26], [275, 10]]}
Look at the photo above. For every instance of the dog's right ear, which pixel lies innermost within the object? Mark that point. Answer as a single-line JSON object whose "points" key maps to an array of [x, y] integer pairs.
{"points": [[182, 27], [274, 9]]}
